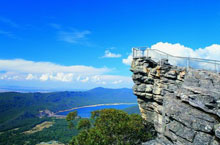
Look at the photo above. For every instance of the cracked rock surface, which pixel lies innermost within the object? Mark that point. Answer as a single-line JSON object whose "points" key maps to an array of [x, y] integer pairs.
{"points": [[184, 105]]}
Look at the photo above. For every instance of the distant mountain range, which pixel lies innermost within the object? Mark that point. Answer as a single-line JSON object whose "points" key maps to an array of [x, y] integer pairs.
{"points": [[18, 108], [33, 89]]}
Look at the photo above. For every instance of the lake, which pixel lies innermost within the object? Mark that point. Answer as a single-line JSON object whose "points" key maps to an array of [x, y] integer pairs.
{"points": [[86, 111]]}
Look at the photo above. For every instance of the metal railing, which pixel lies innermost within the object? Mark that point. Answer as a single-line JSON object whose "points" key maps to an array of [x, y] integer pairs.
{"points": [[188, 62]]}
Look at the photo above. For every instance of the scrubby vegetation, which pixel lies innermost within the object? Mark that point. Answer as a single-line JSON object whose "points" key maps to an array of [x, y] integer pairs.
{"points": [[108, 126], [111, 126], [59, 131]]}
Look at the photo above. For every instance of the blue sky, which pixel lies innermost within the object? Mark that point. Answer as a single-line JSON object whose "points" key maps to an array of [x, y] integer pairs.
{"points": [[83, 42]]}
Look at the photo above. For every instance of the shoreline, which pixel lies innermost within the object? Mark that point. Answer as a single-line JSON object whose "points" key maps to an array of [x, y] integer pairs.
{"points": [[93, 106]]}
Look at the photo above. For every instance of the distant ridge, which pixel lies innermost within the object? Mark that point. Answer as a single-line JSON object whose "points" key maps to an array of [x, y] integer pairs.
{"points": [[42, 90], [17, 107]]}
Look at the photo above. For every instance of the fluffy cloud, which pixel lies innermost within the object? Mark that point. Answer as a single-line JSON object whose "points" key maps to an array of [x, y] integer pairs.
{"points": [[47, 72], [113, 79], [25, 66], [29, 77], [68, 77], [85, 80], [109, 54], [44, 71], [128, 60], [44, 77], [210, 52], [117, 82]]}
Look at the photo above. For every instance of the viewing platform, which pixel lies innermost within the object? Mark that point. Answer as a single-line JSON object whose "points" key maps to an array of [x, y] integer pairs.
{"points": [[188, 62]]}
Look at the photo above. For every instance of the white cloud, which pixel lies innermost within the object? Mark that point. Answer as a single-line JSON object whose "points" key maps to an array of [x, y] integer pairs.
{"points": [[109, 54], [128, 60], [63, 77], [12, 76], [68, 77], [29, 77], [20, 70], [73, 36], [210, 52], [44, 77], [29, 70], [112, 79], [117, 82], [25, 66], [96, 78], [78, 78], [175, 49], [85, 80]]}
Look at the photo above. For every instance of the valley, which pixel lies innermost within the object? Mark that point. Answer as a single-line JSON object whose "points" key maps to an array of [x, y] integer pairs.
{"points": [[31, 118]]}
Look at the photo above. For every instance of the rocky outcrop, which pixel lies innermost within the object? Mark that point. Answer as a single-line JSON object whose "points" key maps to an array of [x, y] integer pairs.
{"points": [[46, 113], [184, 105]]}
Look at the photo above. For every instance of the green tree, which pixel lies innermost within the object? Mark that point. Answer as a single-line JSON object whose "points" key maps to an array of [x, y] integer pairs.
{"points": [[70, 118], [84, 124], [111, 126]]}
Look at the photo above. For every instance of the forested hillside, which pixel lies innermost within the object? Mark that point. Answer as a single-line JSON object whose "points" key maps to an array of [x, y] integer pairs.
{"points": [[17, 109]]}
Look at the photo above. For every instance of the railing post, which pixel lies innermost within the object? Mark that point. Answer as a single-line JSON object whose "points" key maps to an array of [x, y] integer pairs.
{"points": [[147, 53], [160, 59], [187, 63], [142, 53], [138, 52], [215, 66], [133, 52]]}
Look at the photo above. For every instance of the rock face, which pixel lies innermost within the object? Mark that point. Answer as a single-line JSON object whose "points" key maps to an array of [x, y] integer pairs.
{"points": [[184, 105]]}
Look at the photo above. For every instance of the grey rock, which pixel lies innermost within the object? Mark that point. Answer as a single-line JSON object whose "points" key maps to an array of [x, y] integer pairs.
{"points": [[184, 106], [141, 88], [158, 141], [157, 91], [149, 88], [181, 131], [217, 130], [202, 139], [171, 74]]}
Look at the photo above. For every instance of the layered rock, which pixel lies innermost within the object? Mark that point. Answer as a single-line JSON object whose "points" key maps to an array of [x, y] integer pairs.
{"points": [[184, 105]]}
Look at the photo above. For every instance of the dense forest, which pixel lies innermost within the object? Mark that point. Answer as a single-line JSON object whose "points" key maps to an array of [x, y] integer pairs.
{"points": [[111, 127], [19, 113], [19, 109], [59, 131]]}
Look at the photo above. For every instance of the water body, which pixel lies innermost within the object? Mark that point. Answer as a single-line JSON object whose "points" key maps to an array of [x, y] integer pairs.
{"points": [[85, 112]]}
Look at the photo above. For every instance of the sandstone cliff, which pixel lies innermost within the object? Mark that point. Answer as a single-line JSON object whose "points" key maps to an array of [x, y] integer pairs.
{"points": [[184, 105]]}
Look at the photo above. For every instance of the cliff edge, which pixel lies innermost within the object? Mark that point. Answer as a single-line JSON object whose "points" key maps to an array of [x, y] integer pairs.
{"points": [[183, 105]]}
